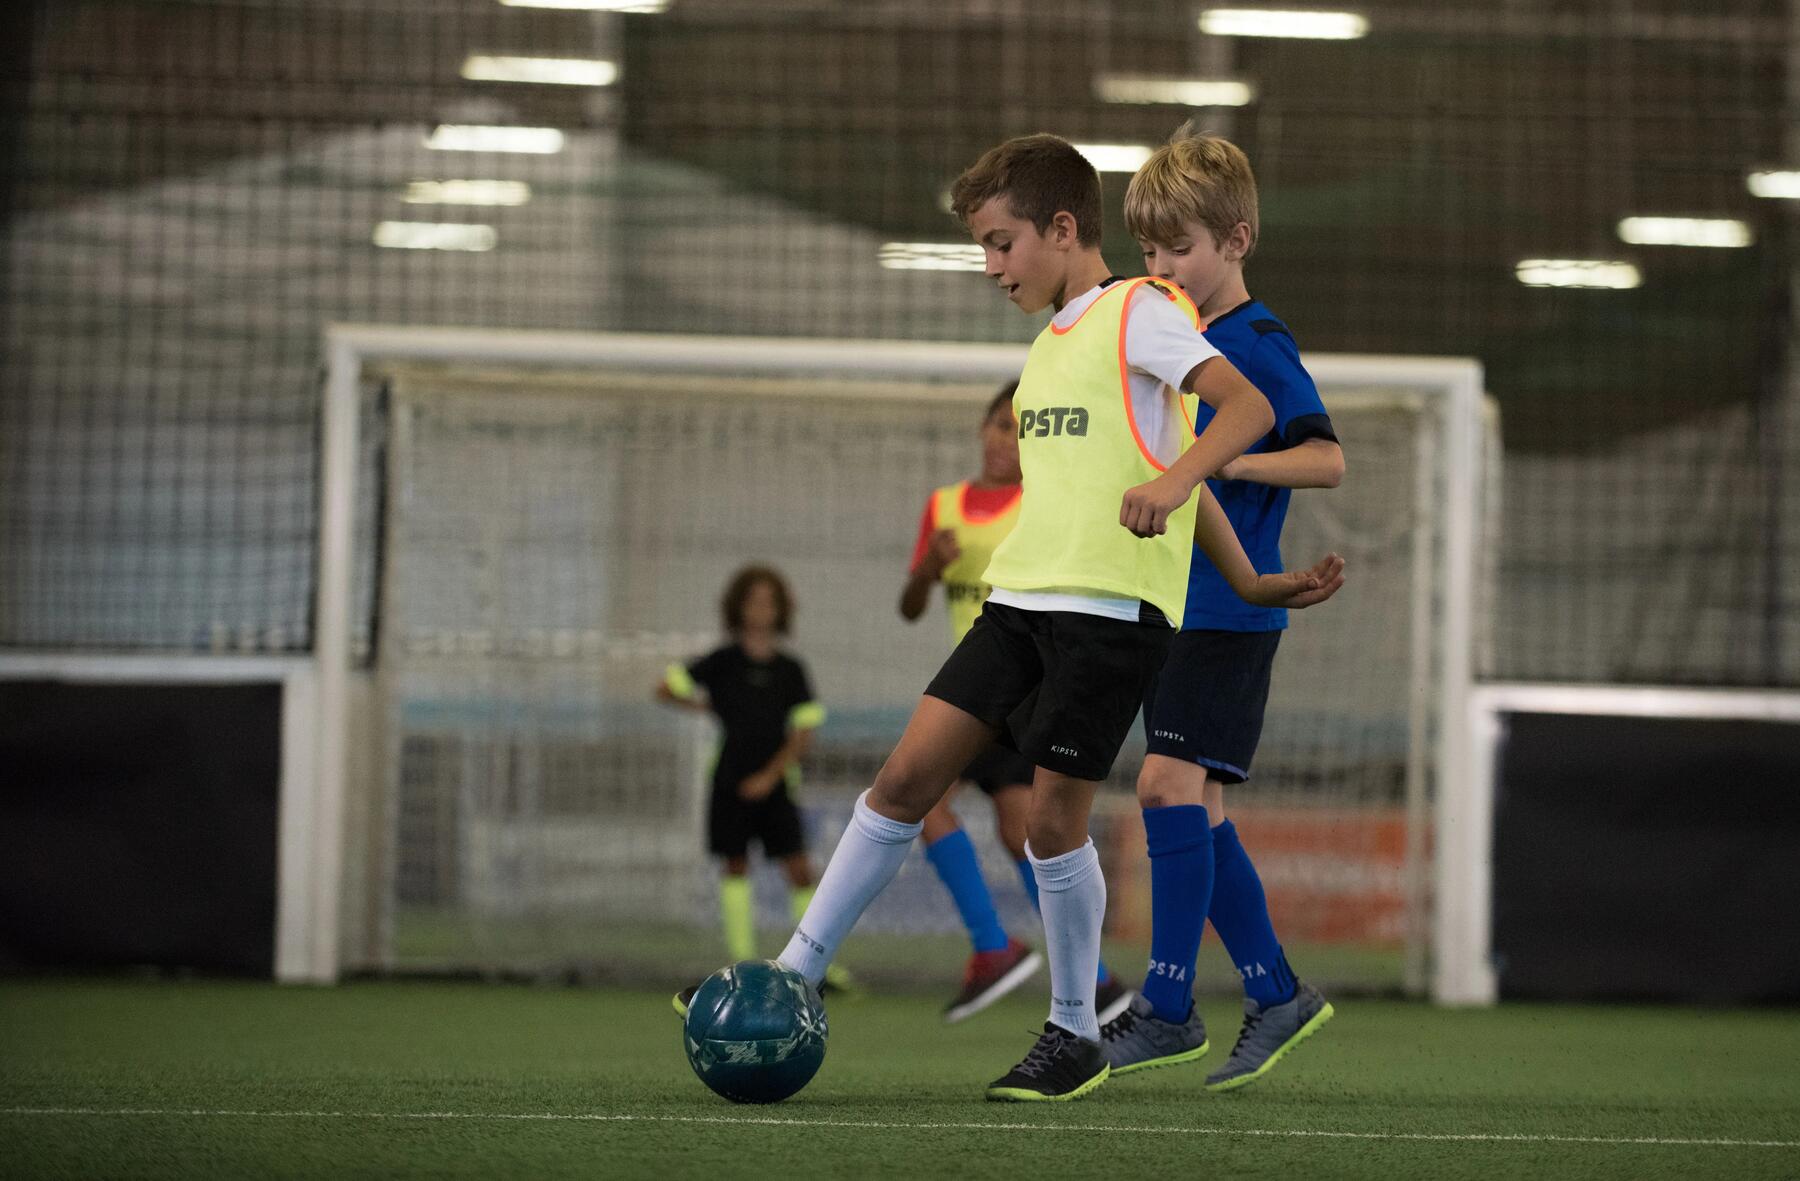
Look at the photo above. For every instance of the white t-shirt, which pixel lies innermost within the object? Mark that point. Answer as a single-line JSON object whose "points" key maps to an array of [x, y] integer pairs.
{"points": [[1162, 346]]}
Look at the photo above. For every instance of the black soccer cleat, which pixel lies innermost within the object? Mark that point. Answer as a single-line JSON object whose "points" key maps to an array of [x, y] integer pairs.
{"points": [[1060, 1068]]}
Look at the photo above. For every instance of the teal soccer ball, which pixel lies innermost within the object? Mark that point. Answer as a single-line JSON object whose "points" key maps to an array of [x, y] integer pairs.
{"points": [[754, 1032]]}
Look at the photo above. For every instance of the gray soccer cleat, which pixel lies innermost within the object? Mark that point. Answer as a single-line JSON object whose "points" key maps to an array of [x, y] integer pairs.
{"points": [[1138, 1039], [1268, 1034]]}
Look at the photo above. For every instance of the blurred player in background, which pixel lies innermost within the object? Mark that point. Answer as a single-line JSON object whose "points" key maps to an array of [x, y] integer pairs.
{"points": [[1192, 206], [765, 705], [961, 525]]}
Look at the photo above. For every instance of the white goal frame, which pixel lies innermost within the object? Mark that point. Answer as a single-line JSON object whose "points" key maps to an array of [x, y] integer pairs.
{"points": [[1461, 970]]}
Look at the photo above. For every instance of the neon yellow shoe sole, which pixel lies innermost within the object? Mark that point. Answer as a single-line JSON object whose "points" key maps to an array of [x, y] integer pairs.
{"points": [[1192, 1055], [1300, 1035], [1025, 1095]]}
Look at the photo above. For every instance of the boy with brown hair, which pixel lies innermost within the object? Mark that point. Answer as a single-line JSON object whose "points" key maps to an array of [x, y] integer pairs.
{"points": [[1087, 585], [1193, 208]]}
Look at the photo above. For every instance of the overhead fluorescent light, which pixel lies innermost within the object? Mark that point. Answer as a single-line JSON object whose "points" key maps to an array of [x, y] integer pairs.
{"points": [[434, 235], [1283, 22], [1607, 274], [1783, 185], [1186, 92], [932, 256], [1115, 157], [468, 137], [593, 5], [1684, 231], [555, 71], [466, 192]]}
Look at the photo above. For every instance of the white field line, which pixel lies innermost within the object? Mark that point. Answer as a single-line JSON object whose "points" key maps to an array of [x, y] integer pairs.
{"points": [[900, 1125]]}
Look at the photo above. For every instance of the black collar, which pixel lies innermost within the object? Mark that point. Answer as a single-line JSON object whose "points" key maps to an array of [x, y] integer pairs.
{"points": [[1232, 312]]}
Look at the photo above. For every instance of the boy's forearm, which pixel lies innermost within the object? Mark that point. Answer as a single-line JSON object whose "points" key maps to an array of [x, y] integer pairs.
{"points": [[1316, 463], [793, 749], [915, 596], [1219, 542]]}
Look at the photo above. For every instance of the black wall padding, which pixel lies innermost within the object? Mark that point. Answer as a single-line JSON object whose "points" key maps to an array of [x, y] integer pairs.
{"points": [[138, 825], [1651, 859]]}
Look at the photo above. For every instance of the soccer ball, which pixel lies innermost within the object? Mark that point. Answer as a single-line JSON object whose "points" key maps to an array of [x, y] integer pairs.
{"points": [[754, 1032]]}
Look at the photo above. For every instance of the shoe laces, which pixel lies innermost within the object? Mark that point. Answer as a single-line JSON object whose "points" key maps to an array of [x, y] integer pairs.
{"points": [[1042, 1055], [1251, 1021], [1119, 1026]]}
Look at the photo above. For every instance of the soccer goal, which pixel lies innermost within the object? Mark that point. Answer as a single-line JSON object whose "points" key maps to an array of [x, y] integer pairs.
{"points": [[519, 531]]}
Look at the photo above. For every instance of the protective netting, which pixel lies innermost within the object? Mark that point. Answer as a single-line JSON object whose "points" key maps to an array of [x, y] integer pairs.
{"points": [[191, 190], [553, 540]]}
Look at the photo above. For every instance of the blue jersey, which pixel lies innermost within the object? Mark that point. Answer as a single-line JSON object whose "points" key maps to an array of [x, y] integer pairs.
{"points": [[1261, 348]]}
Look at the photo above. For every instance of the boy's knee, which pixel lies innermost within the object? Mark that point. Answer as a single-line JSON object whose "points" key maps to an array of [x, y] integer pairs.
{"points": [[1164, 782], [1052, 832], [904, 791]]}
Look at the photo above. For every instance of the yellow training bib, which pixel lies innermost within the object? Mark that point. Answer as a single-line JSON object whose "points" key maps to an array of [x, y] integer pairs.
{"points": [[1080, 449], [977, 537]]}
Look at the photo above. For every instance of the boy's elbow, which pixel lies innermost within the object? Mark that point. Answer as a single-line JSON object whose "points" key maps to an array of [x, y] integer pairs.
{"points": [[1257, 402], [1334, 472]]}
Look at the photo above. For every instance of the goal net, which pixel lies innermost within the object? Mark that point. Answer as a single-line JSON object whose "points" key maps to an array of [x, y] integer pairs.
{"points": [[549, 533]]}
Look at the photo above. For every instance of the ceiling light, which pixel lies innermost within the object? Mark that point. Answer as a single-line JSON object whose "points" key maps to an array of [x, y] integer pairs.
{"points": [[466, 192], [1684, 231], [1186, 92], [1578, 272], [434, 235], [593, 5], [468, 137], [1115, 157], [1283, 22], [557, 71], [932, 256], [1774, 184]]}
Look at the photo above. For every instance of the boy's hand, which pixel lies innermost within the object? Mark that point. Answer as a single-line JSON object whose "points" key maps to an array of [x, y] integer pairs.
{"points": [[1299, 588], [940, 552], [1146, 508], [758, 786]]}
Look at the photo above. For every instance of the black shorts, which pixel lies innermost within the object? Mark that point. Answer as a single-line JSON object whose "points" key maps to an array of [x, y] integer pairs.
{"points": [[1206, 705], [1059, 686], [997, 768], [773, 822]]}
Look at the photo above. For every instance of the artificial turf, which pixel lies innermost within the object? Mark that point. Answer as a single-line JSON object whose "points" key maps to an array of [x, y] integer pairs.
{"points": [[207, 1079]]}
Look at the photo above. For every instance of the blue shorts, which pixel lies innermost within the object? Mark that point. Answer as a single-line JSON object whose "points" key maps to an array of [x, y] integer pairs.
{"points": [[1206, 704]]}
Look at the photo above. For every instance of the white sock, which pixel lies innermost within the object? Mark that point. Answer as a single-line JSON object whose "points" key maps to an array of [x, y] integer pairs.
{"points": [[1072, 896], [866, 859]]}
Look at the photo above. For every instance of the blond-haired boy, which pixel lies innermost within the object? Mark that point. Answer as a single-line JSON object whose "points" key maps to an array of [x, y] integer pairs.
{"points": [[1193, 208]]}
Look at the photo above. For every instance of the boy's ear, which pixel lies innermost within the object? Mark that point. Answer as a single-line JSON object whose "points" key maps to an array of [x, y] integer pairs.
{"points": [[1237, 243], [1064, 231]]}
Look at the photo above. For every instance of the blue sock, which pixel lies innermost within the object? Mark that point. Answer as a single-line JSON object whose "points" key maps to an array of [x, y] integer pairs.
{"points": [[1030, 881], [953, 857], [1240, 914], [1181, 885]]}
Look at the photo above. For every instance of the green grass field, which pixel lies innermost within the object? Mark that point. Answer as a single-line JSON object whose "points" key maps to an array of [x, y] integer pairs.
{"points": [[159, 1079]]}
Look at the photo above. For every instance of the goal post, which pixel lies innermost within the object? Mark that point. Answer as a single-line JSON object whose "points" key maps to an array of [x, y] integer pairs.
{"points": [[493, 396]]}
